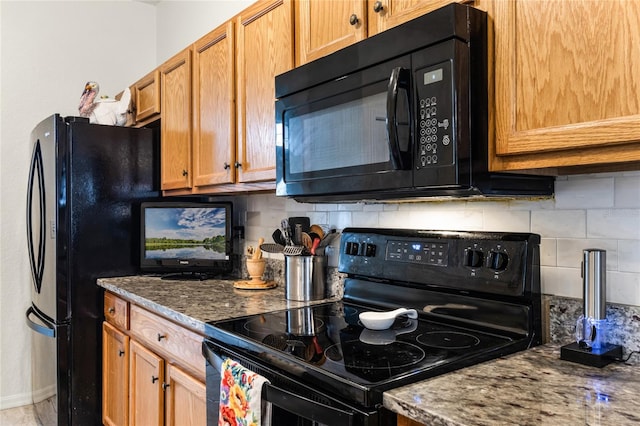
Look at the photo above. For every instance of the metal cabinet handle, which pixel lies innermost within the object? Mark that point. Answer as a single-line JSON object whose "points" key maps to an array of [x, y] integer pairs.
{"points": [[120, 353], [112, 310], [184, 173], [353, 19], [161, 336], [237, 165], [377, 7], [154, 379], [227, 165], [165, 386]]}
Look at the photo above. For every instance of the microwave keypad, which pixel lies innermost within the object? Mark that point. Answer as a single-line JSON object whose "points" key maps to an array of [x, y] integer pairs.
{"points": [[435, 130]]}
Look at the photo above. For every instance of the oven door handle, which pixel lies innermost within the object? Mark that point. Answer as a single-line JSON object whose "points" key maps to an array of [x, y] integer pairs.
{"points": [[305, 407], [292, 403]]}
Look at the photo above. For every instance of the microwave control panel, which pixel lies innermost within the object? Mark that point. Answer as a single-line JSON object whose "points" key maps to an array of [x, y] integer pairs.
{"points": [[435, 121]]}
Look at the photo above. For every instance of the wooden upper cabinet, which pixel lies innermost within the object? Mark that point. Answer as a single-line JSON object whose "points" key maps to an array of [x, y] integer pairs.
{"points": [[214, 134], [385, 14], [322, 27], [567, 83], [146, 97], [175, 125], [264, 50]]}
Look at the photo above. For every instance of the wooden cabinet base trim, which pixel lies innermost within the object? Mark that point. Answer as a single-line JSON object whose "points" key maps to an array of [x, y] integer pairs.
{"points": [[604, 159], [604, 133], [234, 188]]}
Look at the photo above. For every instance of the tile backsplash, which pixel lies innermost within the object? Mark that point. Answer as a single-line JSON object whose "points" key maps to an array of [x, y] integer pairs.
{"points": [[587, 211]]}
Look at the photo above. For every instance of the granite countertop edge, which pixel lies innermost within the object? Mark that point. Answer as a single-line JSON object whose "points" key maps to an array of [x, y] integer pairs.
{"points": [[194, 303], [532, 387]]}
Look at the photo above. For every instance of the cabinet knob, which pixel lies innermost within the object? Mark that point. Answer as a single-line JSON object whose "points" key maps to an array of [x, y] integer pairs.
{"points": [[154, 379], [184, 172], [165, 386], [377, 7], [112, 310], [353, 19], [120, 353], [237, 165], [161, 336], [227, 165]]}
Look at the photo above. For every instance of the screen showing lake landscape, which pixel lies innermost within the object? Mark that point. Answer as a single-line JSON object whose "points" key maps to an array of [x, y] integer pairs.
{"points": [[185, 233]]}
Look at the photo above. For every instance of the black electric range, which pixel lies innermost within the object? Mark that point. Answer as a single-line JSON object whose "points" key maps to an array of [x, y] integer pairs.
{"points": [[477, 295]]}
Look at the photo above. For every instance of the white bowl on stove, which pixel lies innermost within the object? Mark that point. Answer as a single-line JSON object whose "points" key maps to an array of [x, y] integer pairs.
{"points": [[383, 320]]}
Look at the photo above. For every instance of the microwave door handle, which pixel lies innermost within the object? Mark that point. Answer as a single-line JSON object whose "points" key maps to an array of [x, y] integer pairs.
{"points": [[400, 79]]}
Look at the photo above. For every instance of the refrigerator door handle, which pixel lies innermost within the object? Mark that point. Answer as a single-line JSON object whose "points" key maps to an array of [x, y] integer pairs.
{"points": [[48, 329], [36, 184]]}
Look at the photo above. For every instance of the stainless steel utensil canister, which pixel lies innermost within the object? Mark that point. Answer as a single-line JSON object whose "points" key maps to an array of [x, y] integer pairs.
{"points": [[305, 277]]}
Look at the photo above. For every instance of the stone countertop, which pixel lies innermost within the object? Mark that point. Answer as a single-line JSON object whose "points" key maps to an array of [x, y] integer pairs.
{"points": [[532, 387], [193, 303]]}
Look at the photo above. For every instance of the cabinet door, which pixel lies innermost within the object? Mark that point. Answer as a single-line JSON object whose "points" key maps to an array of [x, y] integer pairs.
{"points": [[175, 125], [567, 83], [322, 27], [385, 14], [186, 399], [264, 50], [115, 376], [146, 93], [145, 387], [405, 421], [214, 135]]}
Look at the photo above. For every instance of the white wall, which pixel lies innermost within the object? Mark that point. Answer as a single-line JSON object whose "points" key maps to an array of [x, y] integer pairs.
{"points": [[48, 51], [180, 23]]}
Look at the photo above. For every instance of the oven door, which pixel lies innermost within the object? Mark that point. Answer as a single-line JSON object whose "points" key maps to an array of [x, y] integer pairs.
{"points": [[357, 127], [293, 403]]}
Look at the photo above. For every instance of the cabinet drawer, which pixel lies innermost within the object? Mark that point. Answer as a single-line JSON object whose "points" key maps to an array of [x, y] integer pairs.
{"points": [[116, 311], [175, 343]]}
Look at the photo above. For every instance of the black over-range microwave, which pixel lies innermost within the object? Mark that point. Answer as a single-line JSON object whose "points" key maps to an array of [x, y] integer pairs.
{"points": [[400, 114]]}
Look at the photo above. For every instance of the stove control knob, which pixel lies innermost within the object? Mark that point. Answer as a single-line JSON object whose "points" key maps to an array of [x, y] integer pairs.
{"points": [[369, 250], [473, 258], [498, 261], [352, 248]]}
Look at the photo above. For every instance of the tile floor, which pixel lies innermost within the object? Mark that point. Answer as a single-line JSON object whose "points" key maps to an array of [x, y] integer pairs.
{"points": [[19, 416]]}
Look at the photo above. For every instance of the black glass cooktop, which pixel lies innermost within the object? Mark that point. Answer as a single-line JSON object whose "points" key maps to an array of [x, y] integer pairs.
{"points": [[329, 340]]}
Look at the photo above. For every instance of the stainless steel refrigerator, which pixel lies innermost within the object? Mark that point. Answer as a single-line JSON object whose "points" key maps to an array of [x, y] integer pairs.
{"points": [[85, 183]]}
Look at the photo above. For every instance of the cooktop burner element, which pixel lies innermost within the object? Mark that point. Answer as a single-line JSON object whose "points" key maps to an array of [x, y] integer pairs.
{"points": [[448, 340], [358, 355], [471, 308]]}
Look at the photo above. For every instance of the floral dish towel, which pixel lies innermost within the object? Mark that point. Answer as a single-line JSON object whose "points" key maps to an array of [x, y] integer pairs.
{"points": [[241, 397]]}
